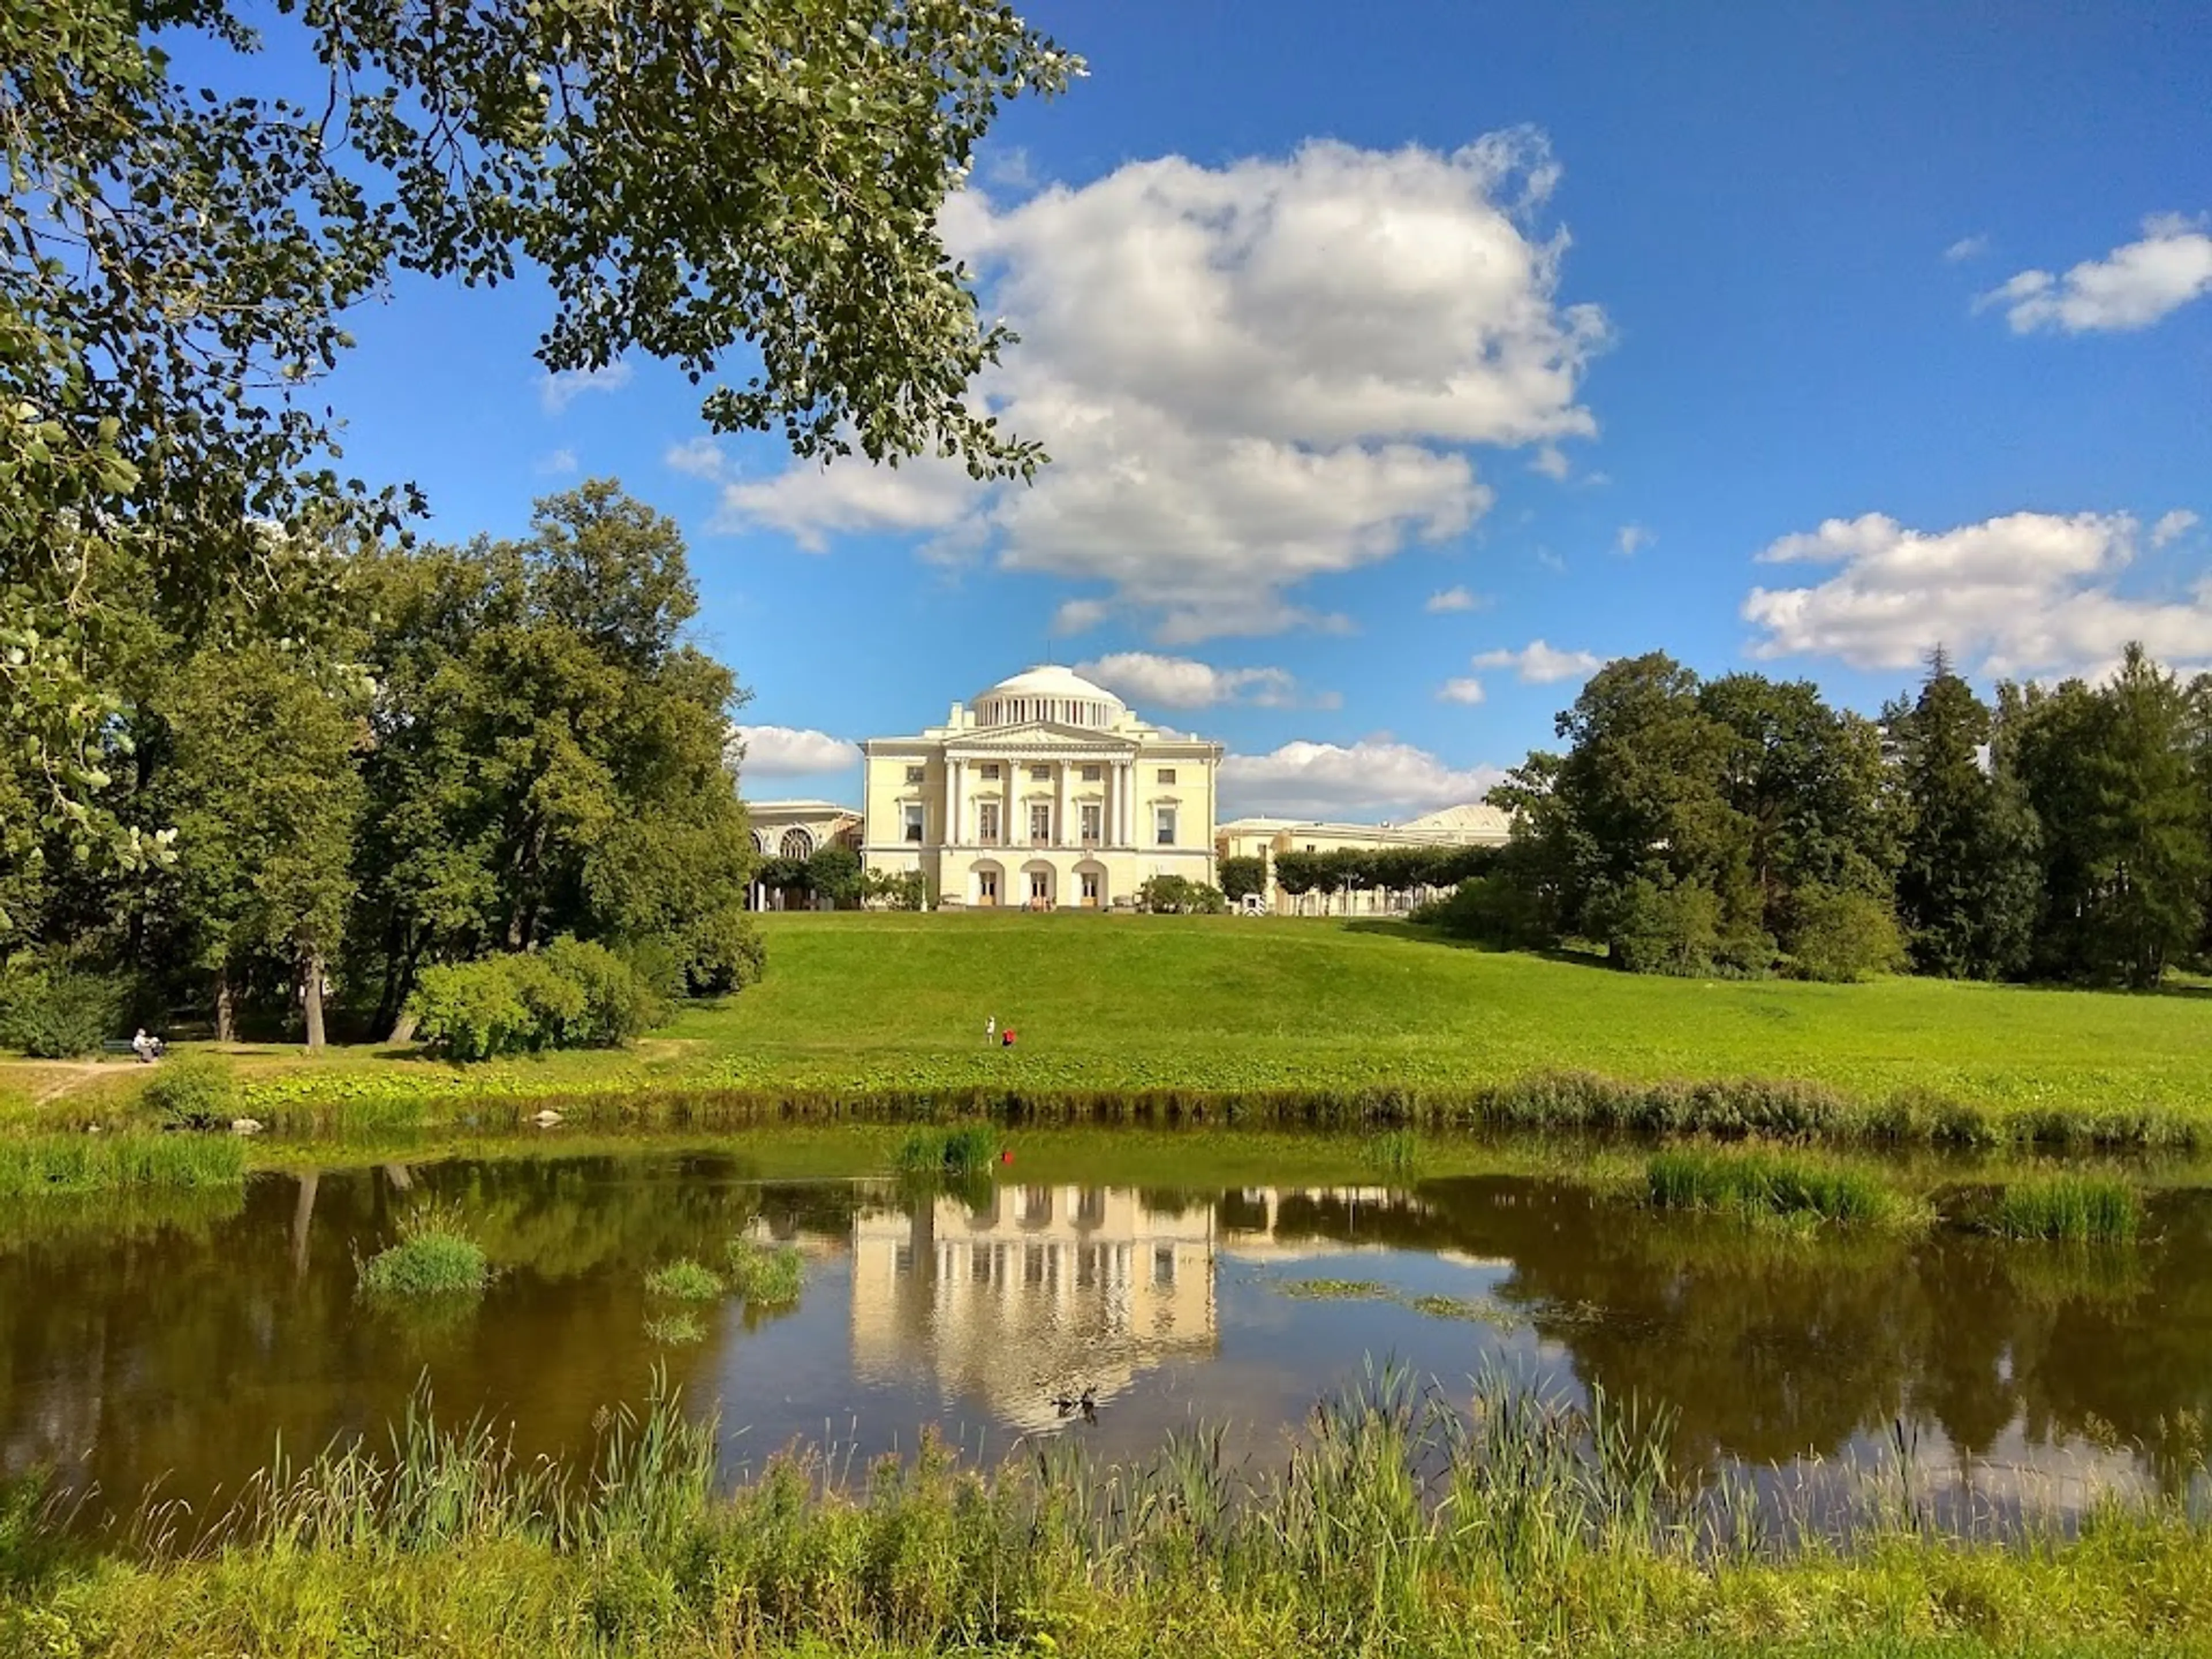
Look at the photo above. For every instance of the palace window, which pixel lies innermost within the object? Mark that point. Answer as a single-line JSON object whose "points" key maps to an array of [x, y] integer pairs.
{"points": [[913, 813], [1041, 822], [987, 822], [1164, 819], [990, 771], [1094, 774], [1090, 817], [914, 774], [1040, 887], [1167, 774], [1039, 774], [1089, 887]]}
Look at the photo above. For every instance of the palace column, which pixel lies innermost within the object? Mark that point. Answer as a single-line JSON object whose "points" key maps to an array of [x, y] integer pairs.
{"points": [[1060, 838], [1125, 777], [954, 775]]}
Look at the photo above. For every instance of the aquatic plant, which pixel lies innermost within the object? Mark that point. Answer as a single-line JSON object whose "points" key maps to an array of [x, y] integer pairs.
{"points": [[685, 1280], [676, 1330], [770, 1277], [31, 1165], [434, 1256], [1395, 1153], [1763, 1183], [957, 1153], [2072, 1205]]}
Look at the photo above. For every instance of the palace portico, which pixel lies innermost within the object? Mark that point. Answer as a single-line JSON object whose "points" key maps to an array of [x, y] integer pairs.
{"points": [[1046, 791]]}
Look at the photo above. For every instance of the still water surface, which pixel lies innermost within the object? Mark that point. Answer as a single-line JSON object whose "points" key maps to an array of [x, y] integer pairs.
{"points": [[176, 1346]]}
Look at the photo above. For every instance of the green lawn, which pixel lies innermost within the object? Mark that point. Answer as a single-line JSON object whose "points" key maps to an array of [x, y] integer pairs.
{"points": [[1244, 1003], [892, 1006]]}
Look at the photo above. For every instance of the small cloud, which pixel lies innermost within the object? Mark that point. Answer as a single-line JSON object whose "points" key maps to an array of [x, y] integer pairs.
{"points": [[787, 752], [1185, 682], [1456, 598], [2132, 287], [695, 458], [1551, 561], [1632, 539], [556, 391], [558, 464], [1460, 691], [1551, 461], [1080, 616], [1010, 170], [1965, 248], [1538, 664], [2172, 526]]}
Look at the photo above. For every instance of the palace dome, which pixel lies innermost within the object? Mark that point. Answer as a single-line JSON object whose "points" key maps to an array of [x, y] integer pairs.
{"points": [[1049, 693]]}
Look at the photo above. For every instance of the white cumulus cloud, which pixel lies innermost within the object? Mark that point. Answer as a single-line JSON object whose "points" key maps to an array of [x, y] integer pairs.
{"points": [[1460, 690], [1326, 780], [556, 391], [2132, 287], [2027, 593], [1967, 247], [1456, 599], [787, 752], [1185, 682], [1248, 376], [699, 457], [1632, 539], [2172, 526], [1538, 664], [555, 463]]}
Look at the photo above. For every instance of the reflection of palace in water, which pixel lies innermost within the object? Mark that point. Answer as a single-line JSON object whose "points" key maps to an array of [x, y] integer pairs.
{"points": [[1046, 1290]]}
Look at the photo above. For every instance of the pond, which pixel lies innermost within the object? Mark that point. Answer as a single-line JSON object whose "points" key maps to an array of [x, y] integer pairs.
{"points": [[170, 1345]]}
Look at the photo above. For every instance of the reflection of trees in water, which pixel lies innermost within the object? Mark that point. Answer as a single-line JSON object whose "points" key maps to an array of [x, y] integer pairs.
{"points": [[1770, 1347], [187, 1348]]}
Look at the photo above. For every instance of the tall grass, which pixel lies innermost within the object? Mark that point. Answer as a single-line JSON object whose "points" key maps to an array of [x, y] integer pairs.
{"points": [[1762, 1183], [2076, 1208], [684, 1280], [1518, 1523], [436, 1256], [1395, 1154], [32, 1165]]}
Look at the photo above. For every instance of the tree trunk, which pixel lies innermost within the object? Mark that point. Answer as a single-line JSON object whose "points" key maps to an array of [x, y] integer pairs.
{"points": [[403, 1029], [226, 1012], [312, 996], [303, 1216]]}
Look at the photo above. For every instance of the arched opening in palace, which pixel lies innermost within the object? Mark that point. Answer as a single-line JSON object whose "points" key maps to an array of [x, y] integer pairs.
{"points": [[987, 884], [1040, 889], [1091, 885], [796, 844]]}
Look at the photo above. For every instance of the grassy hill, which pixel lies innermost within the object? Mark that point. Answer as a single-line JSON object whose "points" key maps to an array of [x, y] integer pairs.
{"points": [[1238, 1002], [889, 1007]]}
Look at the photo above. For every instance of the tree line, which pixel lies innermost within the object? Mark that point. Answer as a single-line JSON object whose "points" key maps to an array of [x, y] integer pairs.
{"points": [[1742, 825], [481, 750]]}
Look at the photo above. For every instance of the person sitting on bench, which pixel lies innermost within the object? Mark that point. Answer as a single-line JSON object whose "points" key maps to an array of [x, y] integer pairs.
{"points": [[147, 1049]]}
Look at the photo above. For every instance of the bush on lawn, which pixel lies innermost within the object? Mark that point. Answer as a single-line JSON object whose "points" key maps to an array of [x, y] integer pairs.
{"points": [[194, 1091], [54, 1013], [569, 995]]}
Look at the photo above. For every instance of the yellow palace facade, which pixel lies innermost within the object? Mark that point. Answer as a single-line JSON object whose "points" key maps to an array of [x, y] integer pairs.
{"points": [[1046, 793]]}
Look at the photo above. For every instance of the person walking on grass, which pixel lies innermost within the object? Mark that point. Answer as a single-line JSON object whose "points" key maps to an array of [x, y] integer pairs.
{"points": [[990, 1030]]}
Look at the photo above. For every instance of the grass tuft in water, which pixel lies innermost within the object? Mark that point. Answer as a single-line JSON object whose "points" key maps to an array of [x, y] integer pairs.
{"points": [[771, 1277], [1760, 1183], [2071, 1207], [676, 1330], [1329, 1290], [434, 1257], [965, 1151], [685, 1280], [1396, 1154]]}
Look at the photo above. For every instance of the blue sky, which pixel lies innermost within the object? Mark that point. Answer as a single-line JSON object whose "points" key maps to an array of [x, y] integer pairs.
{"points": [[1403, 362]]}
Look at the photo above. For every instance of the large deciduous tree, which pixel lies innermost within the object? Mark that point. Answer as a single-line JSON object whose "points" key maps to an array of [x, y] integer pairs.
{"points": [[747, 185]]}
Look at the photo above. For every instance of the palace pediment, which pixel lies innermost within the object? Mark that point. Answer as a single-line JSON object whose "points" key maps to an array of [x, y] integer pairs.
{"points": [[1039, 737]]}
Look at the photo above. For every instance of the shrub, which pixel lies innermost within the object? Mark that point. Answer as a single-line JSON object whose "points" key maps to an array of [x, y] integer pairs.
{"points": [[193, 1091], [1494, 910], [1242, 876], [684, 1280], [1651, 929], [1840, 936], [772, 1278], [907, 889], [1180, 895], [723, 952], [570, 995], [434, 1256], [53, 1012]]}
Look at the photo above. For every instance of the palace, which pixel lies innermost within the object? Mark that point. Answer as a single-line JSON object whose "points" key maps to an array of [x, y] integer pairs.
{"points": [[1045, 793]]}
